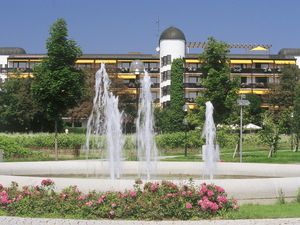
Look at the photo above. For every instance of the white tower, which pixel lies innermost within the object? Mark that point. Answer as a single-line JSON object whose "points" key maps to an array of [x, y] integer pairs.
{"points": [[171, 46]]}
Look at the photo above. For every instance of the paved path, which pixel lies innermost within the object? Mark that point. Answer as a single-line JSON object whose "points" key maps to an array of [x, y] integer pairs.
{"points": [[29, 221]]}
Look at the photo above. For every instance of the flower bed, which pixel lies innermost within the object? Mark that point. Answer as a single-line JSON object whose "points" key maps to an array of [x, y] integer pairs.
{"points": [[151, 201]]}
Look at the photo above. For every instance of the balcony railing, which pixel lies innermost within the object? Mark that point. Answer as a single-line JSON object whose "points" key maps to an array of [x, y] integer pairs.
{"points": [[254, 85], [255, 70], [155, 85], [193, 70], [190, 100], [192, 85]]}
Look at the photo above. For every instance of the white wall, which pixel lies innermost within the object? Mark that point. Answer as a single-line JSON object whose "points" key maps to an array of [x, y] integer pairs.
{"points": [[3, 61], [298, 61], [175, 48]]}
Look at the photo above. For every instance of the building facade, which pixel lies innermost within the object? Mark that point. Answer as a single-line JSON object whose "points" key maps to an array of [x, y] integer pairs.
{"points": [[257, 72]]}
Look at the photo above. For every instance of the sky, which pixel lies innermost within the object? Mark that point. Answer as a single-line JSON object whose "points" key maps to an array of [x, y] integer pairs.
{"points": [[120, 26]]}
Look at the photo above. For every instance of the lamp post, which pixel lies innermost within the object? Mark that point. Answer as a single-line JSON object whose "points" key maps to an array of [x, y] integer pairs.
{"points": [[185, 123], [137, 68], [242, 102]]}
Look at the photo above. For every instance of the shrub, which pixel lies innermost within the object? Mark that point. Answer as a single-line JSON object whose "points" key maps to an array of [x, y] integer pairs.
{"points": [[153, 201], [12, 150]]}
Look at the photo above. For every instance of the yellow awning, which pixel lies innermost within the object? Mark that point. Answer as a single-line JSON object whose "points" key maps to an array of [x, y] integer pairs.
{"points": [[126, 76], [259, 48], [258, 92], [84, 61], [285, 62], [192, 61], [18, 60], [105, 61], [240, 61], [263, 61]]}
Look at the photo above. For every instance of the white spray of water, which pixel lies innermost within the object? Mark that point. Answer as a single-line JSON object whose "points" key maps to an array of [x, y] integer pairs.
{"points": [[106, 120], [147, 151], [210, 151]]}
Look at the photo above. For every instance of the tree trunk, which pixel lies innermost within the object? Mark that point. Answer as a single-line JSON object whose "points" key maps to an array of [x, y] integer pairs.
{"points": [[55, 140], [296, 143], [271, 152]]}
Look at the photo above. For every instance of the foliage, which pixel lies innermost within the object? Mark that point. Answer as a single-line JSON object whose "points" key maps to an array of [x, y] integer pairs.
{"points": [[57, 84], [225, 138], [296, 117], [170, 119], [13, 150], [281, 197], [270, 132], [298, 196], [283, 94], [218, 87], [18, 111], [153, 201]]}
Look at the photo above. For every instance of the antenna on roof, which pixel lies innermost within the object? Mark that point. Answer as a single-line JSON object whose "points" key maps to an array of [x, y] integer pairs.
{"points": [[157, 22]]}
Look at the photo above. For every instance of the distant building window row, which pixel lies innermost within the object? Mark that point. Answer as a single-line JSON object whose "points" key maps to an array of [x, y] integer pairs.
{"points": [[166, 60], [166, 75]]}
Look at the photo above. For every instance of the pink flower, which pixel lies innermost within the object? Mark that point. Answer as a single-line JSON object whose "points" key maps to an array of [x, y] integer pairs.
{"points": [[210, 193], [132, 194], [203, 188], [188, 205], [154, 187], [81, 197], [220, 189], [89, 203], [47, 182], [214, 207], [170, 195], [100, 200], [183, 193], [222, 199], [113, 205], [189, 193]]}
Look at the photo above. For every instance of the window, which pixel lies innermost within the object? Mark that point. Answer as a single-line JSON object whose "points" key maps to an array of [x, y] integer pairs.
{"points": [[243, 80], [194, 80], [124, 67], [165, 90], [168, 59]]}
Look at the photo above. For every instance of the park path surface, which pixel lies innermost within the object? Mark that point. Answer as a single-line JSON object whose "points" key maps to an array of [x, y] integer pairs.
{"points": [[39, 221]]}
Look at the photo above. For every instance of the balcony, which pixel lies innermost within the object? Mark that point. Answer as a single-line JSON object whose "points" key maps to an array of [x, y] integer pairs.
{"points": [[192, 70], [190, 100], [254, 85], [255, 70], [155, 85], [192, 85]]}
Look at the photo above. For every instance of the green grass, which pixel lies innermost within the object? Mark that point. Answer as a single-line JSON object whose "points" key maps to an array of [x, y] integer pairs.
{"points": [[249, 156], [287, 210]]}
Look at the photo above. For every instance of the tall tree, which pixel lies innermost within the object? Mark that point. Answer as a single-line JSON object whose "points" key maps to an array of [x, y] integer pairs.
{"points": [[218, 87], [18, 111], [282, 95], [57, 84]]}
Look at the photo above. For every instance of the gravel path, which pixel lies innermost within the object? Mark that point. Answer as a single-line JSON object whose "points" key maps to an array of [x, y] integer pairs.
{"points": [[30, 221]]}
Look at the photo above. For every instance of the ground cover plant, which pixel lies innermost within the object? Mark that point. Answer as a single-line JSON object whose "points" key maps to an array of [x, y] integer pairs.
{"points": [[153, 201]]}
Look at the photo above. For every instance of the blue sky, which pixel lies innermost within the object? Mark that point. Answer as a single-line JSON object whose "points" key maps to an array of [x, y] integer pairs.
{"points": [[119, 26]]}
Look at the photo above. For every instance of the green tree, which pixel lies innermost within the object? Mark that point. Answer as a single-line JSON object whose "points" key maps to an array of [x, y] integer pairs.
{"points": [[270, 133], [18, 111], [283, 93], [296, 118], [218, 87], [57, 84]]}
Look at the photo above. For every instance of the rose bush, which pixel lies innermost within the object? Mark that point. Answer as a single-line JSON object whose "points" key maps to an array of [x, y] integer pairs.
{"points": [[155, 201]]}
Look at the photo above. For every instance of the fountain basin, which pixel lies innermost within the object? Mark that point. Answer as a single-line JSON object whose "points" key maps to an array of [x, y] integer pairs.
{"points": [[265, 188]]}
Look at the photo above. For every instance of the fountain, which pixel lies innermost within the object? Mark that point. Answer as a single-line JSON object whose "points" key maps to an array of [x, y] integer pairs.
{"points": [[146, 146], [106, 120], [210, 151]]}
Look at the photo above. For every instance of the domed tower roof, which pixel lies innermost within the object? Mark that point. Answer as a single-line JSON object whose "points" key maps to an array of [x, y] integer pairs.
{"points": [[11, 50], [172, 33]]}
